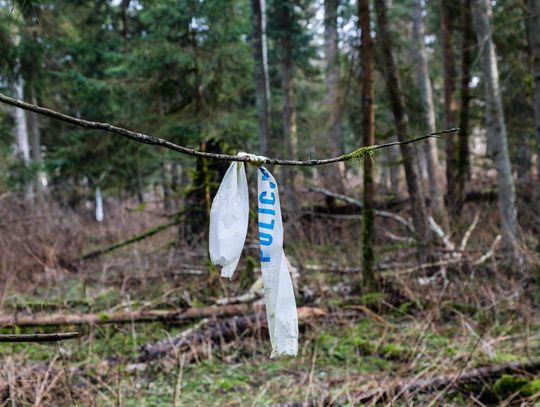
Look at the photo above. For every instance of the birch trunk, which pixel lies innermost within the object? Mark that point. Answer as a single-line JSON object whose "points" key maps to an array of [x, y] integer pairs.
{"points": [[395, 93], [21, 128], [534, 44], [495, 122], [434, 169], [41, 177], [262, 83]]}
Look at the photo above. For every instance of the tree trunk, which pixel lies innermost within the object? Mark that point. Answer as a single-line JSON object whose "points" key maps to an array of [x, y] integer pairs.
{"points": [[166, 184], [450, 103], [534, 45], [424, 85], [262, 83], [393, 84], [21, 128], [290, 136], [495, 122], [41, 178], [333, 177], [395, 169], [463, 143], [368, 129]]}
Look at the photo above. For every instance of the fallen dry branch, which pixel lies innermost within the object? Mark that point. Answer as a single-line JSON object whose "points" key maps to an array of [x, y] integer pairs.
{"points": [[51, 337], [407, 389], [125, 317], [137, 238], [359, 204], [470, 376], [218, 332]]}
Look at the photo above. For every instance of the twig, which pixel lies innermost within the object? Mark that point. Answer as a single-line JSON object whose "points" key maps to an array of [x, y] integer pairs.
{"points": [[53, 337], [468, 233], [152, 140], [440, 233], [490, 252]]}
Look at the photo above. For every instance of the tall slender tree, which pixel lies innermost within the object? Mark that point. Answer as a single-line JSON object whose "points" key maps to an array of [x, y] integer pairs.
{"points": [[450, 102], [424, 85], [333, 99], [285, 14], [262, 81], [368, 138], [496, 125], [534, 45], [21, 128], [467, 43], [395, 94], [332, 73]]}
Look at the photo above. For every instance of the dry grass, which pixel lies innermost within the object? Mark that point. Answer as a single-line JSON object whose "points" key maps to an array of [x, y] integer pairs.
{"points": [[426, 321]]}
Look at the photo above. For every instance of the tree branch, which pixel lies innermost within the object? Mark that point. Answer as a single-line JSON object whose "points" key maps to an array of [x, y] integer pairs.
{"points": [[147, 139], [53, 337]]}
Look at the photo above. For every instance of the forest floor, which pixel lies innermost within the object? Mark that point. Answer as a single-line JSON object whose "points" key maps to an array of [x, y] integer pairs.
{"points": [[358, 350]]}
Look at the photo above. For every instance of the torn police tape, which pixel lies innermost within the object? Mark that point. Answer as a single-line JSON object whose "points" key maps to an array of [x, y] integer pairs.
{"points": [[229, 218]]}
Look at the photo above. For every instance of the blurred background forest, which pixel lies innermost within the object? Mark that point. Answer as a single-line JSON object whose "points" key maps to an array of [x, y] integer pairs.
{"points": [[415, 267]]}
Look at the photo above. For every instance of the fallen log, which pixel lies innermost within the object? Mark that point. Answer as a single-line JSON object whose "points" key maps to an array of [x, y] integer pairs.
{"points": [[218, 332], [126, 317], [51, 337]]}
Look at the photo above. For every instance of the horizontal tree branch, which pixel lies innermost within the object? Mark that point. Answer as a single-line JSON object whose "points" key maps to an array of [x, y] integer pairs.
{"points": [[52, 337], [147, 139]]}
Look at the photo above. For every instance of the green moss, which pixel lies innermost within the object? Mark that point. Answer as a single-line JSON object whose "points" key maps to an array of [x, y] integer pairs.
{"points": [[507, 385], [531, 389], [360, 154]]}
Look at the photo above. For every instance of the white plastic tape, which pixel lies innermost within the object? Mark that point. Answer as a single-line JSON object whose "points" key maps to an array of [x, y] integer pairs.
{"points": [[229, 218], [228, 228], [278, 288], [99, 205]]}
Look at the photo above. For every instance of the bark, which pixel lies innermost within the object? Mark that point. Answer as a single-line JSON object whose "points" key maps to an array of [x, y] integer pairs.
{"points": [[218, 332], [176, 183], [290, 134], [166, 184], [39, 338], [434, 169], [124, 7], [41, 178], [333, 99], [142, 316], [495, 122], [368, 138], [262, 83], [123, 317], [332, 75], [393, 85], [21, 128], [450, 103], [463, 142], [534, 45], [395, 170]]}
